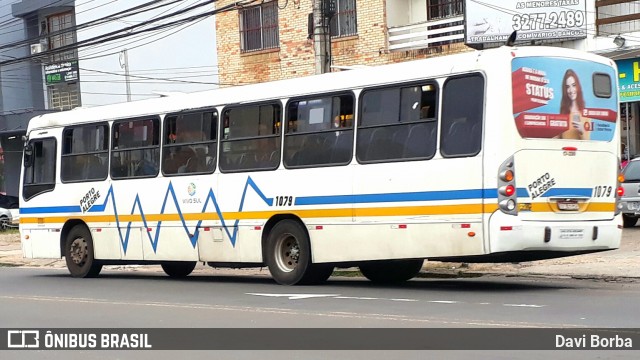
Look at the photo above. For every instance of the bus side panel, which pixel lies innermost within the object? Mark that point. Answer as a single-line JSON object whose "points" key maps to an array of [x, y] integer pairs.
{"points": [[245, 202], [247, 248], [106, 243], [423, 215], [172, 243], [393, 241], [42, 243]]}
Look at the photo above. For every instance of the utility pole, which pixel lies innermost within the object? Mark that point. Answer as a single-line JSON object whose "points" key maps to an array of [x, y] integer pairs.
{"points": [[321, 37], [124, 63]]}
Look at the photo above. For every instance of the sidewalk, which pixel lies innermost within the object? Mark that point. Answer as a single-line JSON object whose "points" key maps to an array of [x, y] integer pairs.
{"points": [[622, 264]]}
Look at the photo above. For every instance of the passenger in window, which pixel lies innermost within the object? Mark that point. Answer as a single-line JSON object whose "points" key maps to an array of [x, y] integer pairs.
{"points": [[424, 112], [338, 123], [572, 103], [264, 149], [141, 166], [187, 159]]}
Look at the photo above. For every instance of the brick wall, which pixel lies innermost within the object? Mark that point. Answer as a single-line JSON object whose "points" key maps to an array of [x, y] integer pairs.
{"points": [[295, 57]]}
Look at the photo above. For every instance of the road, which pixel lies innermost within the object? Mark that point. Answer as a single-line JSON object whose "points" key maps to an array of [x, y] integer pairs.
{"points": [[49, 298]]}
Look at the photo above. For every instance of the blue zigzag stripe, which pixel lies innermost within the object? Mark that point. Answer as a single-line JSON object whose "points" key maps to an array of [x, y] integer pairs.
{"points": [[192, 237]]}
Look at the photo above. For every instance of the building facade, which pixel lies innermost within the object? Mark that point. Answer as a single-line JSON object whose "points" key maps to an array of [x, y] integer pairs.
{"points": [[275, 40], [24, 90]]}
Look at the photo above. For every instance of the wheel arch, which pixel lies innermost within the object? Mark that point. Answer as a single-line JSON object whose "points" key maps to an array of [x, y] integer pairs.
{"points": [[66, 228], [268, 226]]}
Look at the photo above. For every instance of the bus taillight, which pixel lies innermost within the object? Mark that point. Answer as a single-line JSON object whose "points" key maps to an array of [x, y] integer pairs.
{"points": [[508, 190], [619, 191], [507, 193], [506, 176]]}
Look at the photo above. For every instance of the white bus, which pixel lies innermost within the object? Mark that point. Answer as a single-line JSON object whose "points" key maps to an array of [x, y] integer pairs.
{"points": [[503, 155]]}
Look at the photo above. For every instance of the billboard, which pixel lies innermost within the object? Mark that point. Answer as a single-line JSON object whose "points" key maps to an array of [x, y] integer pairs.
{"points": [[563, 99], [491, 21], [61, 72], [629, 79]]}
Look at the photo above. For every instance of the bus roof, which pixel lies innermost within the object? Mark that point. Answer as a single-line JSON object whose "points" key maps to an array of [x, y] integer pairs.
{"points": [[330, 82]]}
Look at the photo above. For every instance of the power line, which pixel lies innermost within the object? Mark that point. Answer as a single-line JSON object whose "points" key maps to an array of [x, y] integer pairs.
{"points": [[129, 31], [120, 14]]}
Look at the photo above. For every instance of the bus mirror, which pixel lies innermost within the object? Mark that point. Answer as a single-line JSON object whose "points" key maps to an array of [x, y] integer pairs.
{"points": [[28, 155]]}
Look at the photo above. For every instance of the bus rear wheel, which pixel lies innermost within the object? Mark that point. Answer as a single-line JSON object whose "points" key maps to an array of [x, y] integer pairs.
{"points": [[288, 256], [178, 269], [391, 271], [78, 253]]}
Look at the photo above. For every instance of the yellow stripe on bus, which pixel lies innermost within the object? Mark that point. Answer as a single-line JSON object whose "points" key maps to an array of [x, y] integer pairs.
{"points": [[463, 209]]}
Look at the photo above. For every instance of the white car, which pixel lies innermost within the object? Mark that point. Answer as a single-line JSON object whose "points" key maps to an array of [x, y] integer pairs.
{"points": [[9, 211], [9, 218]]}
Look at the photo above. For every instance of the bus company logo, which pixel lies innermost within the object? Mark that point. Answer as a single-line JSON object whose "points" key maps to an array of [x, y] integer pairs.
{"points": [[23, 339], [191, 189]]}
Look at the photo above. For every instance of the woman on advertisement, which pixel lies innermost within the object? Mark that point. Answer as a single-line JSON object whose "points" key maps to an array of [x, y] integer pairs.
{"points": [[572, 103]]}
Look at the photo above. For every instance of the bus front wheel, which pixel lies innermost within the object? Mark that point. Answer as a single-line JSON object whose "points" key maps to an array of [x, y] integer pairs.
{"points": [[178, 269], [288, 256], [391, 271], [78, 253]]}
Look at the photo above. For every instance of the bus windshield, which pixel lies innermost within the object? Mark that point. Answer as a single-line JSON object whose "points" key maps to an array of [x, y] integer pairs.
{"points": [[563, 98]]}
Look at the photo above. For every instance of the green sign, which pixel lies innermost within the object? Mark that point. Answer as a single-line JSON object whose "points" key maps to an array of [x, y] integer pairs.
{"points": [[61, 72]]}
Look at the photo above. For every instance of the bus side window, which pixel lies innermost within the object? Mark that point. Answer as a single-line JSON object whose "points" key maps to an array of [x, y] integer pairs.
{"points": [[405, 130], [462, 125], [190, 143], [84, 153], [319, 131], [251, 138], [135, 148]]}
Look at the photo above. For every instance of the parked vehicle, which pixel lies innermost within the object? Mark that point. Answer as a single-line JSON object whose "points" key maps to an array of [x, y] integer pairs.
{"points": [[630, 201], [9, 211]]}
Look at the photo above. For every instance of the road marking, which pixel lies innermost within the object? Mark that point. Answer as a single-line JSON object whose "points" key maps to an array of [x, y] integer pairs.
{"points": [[357, 298], [524, 305], [295, 296], [423, 320], [444, 302], [333, 296]]}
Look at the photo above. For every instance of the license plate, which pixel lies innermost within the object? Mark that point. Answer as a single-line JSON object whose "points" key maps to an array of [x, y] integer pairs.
{"points": [[568, 205], [571, 233], [634, 205]]}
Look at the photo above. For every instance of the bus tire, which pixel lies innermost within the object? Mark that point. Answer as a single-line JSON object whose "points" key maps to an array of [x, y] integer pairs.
{"points": [[288, 256], [391, 271], [78, 253], [178, 269], [629, 221]]}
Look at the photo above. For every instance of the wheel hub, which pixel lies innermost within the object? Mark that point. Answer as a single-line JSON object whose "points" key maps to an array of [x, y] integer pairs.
{"points": [[78, 251], [287, 253]]}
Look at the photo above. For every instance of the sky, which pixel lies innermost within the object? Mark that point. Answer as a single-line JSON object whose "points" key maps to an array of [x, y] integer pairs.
{"points": [[186, 55]]}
